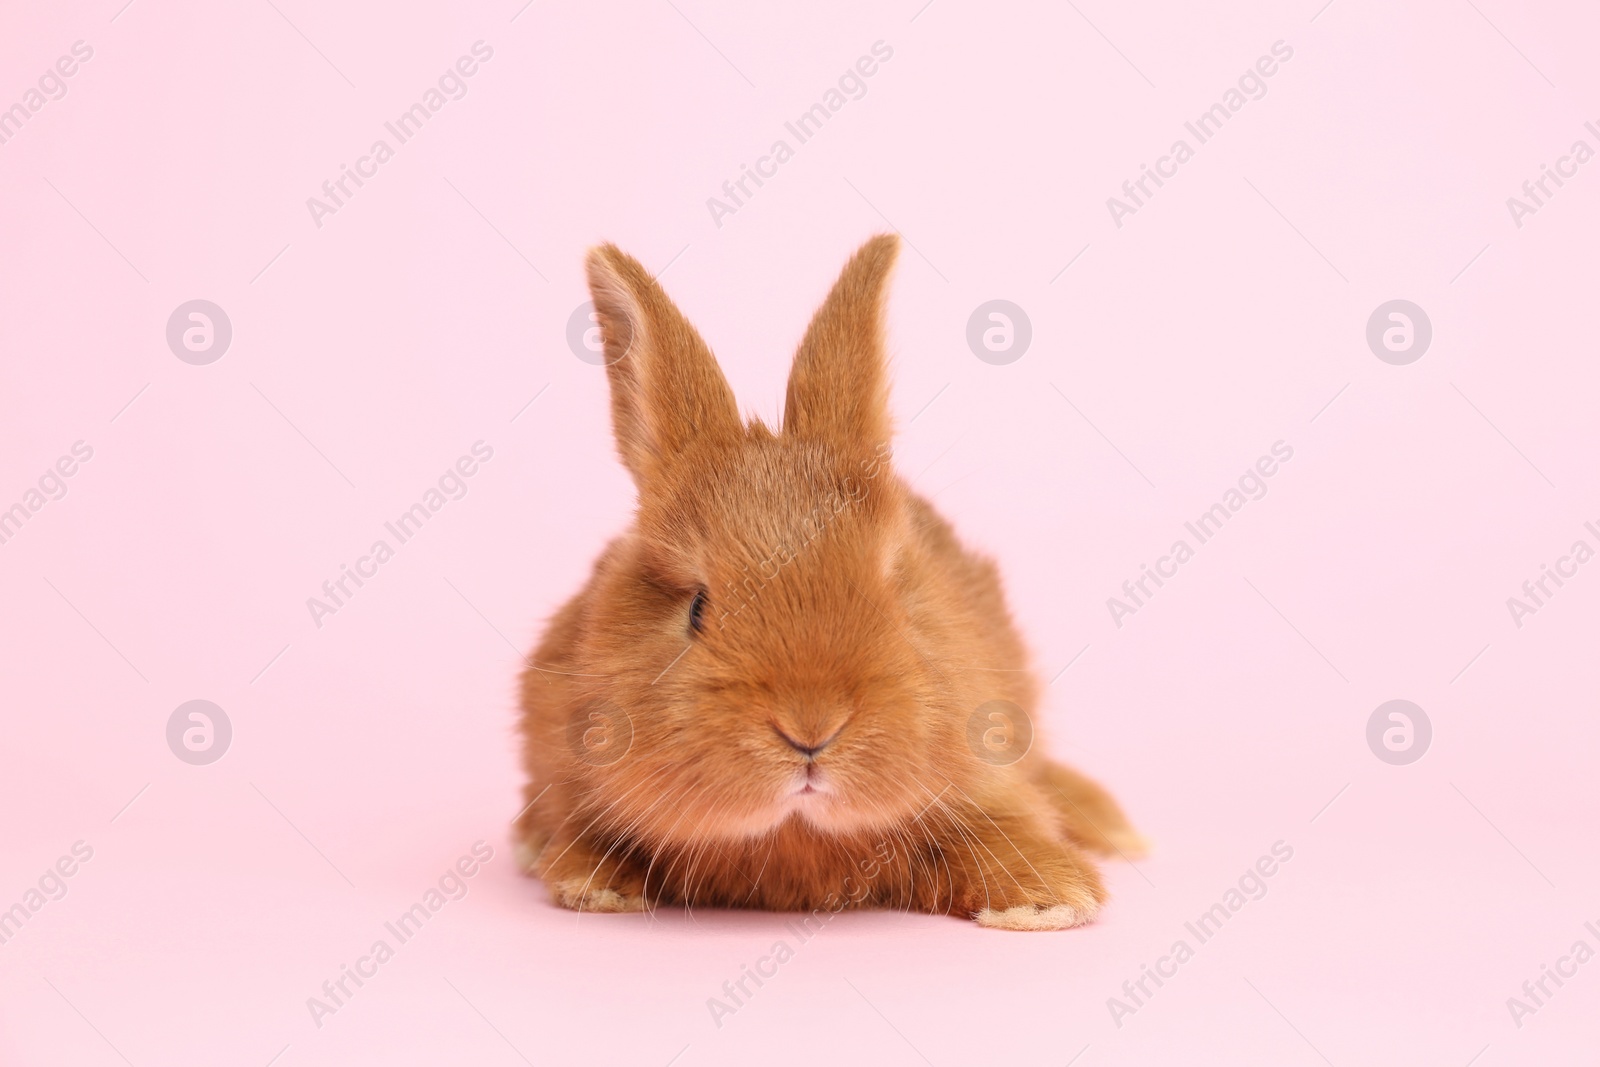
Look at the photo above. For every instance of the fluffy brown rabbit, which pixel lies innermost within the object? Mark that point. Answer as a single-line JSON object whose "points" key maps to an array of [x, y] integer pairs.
{"points": [[787, 685]]}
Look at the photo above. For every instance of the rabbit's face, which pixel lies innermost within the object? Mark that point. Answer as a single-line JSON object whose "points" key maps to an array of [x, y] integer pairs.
{"points": [[766, 582]]}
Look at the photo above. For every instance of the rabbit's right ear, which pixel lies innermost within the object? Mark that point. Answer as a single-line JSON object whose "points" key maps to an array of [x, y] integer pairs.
{"points": [[666, 388]]}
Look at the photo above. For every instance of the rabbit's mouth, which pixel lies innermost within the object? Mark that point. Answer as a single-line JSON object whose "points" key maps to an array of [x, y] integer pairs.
{"points": [[811, 783], [812, 795]]}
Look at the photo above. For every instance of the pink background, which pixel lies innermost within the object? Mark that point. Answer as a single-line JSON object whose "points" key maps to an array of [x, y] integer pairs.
{"points": [[1227, 314]]}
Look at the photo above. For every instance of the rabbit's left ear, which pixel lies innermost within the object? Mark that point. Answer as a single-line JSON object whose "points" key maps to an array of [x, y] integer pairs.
{"points": [[839, 385]]}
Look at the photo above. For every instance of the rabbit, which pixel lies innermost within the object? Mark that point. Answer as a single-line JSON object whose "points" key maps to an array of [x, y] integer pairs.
{"points": [[788, 686]]}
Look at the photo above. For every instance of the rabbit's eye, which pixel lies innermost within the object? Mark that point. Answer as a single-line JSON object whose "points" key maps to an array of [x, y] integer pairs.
{"points": [[697, 608]]}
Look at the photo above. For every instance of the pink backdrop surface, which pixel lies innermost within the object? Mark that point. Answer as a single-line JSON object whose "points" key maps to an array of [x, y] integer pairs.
{"points": [[1172, 345]]}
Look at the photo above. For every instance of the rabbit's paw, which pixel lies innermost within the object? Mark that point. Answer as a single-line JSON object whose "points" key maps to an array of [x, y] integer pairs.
{"points": [[1069, 903], [583, 894], [1020, 877], [1037, 916], [585, 878]]}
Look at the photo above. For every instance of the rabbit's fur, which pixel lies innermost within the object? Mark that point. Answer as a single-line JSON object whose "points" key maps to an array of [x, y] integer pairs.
{"points": [[775, 689]]}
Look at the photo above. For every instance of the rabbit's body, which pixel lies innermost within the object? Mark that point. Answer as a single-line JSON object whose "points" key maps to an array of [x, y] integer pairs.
{"points": [[788, 686]]}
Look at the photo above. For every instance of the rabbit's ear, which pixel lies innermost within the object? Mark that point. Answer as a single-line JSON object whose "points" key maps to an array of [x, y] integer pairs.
{"points": [[839, 386], [666, 388]]}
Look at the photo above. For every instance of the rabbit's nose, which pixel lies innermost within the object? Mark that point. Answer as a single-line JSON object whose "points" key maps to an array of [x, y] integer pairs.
{"points": [[808, 751]]}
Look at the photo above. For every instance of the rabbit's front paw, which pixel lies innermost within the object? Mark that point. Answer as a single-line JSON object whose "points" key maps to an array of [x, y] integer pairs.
{"points": [[586, 894], [1069, 902], [586, 878], [1010, 875], [1037, 916]]}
